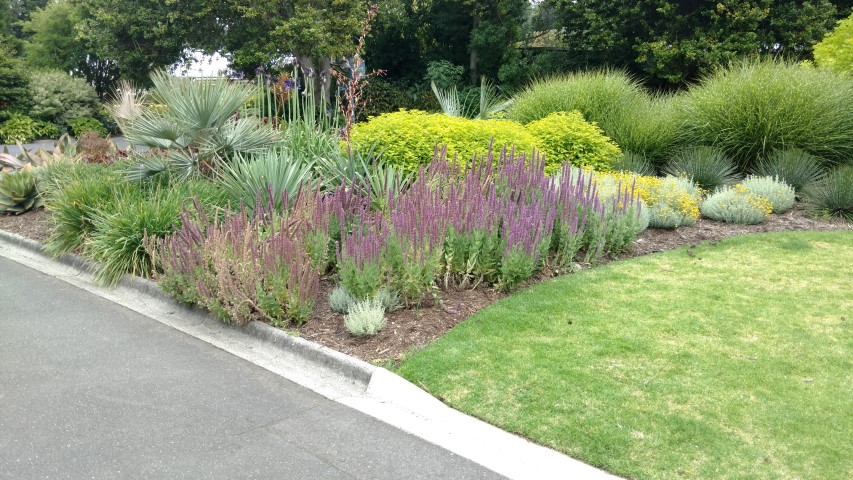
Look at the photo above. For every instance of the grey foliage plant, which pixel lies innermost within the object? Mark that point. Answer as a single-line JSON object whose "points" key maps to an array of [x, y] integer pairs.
{"points": [[191, 125]]}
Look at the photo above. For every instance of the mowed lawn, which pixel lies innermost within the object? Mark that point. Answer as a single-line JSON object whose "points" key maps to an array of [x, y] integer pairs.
{"points": [[732, 360]]}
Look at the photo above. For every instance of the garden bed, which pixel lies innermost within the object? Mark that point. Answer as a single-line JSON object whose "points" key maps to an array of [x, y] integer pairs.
{"points": [[418, 327]]}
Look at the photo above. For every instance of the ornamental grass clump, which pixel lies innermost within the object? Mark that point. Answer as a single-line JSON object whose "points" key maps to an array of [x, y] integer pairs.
{"points": [[831, 196], [366, 318], [793, 166], [752, 108], [736, 205], [708, 167], [778, 193]]}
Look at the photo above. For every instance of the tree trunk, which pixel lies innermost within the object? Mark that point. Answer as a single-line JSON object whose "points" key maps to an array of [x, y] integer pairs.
{"points": [[319, 76], [473, 73]]}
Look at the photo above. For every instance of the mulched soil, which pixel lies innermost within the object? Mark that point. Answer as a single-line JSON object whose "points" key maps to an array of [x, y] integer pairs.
{"points": [[33, 224], [418, 327]]}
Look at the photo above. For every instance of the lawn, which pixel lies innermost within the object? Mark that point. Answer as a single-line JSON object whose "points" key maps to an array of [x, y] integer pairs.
{"points": [[732, 360]]}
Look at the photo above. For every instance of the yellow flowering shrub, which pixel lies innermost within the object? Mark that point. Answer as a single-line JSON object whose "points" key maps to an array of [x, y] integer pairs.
{"points": [[567, 137], [736, 204], [409, 137], [672, 201]]}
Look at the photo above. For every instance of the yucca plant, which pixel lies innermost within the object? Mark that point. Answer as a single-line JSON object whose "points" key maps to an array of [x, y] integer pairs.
{"points": [[18, 192], [274, 172], [195, 121], [490, 101], [708, 167]]}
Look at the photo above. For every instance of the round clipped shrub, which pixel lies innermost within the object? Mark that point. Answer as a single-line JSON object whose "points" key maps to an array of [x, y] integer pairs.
{"points": [[61, 98], [708, 167], [793, 166], [567, 137], [753, 108], [780, 195], [832, 196], [736, 205], [408, 137], [366, 318]]}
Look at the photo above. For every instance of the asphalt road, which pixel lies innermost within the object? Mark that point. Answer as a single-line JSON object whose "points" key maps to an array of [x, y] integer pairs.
{"points": [[89, 389]]}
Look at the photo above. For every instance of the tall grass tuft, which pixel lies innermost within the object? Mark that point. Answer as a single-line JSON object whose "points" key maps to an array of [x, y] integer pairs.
{"points": [[795, 167], [832, 196], [755, 107], [614, 100], [708, 167]]}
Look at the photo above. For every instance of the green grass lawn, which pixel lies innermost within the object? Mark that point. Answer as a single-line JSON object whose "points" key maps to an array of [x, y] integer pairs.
{"points": [[732, 360]]}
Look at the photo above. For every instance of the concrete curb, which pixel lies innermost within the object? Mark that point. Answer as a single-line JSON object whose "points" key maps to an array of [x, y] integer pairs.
{"points": [[372, 390]]}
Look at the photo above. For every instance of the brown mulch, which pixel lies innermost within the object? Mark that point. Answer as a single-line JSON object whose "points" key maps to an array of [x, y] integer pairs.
{"points": [[418, 327], [33, 224]]}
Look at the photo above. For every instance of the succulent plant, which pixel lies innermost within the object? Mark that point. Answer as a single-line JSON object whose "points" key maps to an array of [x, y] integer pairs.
{"points": [[18, 192], [63, 149]]}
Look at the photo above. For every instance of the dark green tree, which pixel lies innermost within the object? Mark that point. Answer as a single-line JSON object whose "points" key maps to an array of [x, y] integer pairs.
{"points": [[54, 42], [672, 43], [14, 86]]}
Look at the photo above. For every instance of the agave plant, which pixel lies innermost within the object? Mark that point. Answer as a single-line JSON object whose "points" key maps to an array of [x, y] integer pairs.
{"points": [[190, 124], [18, 192], [64, 149], [453, 105]]}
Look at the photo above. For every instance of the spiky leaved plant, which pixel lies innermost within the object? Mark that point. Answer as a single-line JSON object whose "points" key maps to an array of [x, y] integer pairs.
{"points": [[18, 192]]}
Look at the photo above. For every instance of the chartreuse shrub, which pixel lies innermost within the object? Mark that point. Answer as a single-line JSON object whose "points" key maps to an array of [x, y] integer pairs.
{"points": [[408, 137], [736, 204], [23, 129], [778, 193], [671, 201], [567, 137], [753, 108], [835, 51], [832, 196], [795, 167]]}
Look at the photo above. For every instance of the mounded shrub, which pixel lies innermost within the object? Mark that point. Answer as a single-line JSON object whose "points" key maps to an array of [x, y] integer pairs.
{"points": [[708, 167], [366, 318], [753, 108], [736, 205], [599, 95], [671, 202], [23, 129], [832, 196], [795, 167], [610, 98], [82, 125], [778, 193], [60, 98], [408, 137], [567, 137]]}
